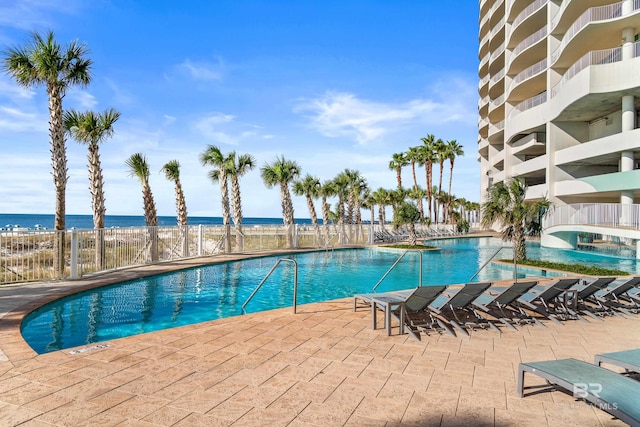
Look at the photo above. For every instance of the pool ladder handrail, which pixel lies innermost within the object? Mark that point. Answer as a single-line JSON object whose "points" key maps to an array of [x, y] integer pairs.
{"points": [[396, 263], [295, 283], [515, 265]]}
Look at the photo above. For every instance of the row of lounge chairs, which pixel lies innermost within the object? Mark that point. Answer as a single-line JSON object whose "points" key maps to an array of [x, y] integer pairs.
{"points": [[386, 236], [615, 393], [481, 305]]}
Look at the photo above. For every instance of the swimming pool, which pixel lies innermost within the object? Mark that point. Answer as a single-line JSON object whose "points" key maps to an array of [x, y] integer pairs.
{"points": [[216, 291]]}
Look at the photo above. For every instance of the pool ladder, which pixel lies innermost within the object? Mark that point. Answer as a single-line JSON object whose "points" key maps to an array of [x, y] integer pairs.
{"points": [[396, 263], [515, 264], [295, 283]]}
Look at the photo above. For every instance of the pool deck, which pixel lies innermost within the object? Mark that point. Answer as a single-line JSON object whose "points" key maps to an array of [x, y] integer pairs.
{"points": [[324, 366]]}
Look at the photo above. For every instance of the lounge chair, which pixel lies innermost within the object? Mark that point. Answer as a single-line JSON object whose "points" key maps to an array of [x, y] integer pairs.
{"points": [[459, 303], [627, 359], [550, 302], [617, 298], [607, 390], [504, 306], [588, 304], [411, 311]]}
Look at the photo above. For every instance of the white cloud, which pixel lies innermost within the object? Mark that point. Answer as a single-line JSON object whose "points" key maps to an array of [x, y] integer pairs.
{"points": [[82, 99], [204, 71], [340, 114], [224, 129], [10, 89], [27, 14], [15, 120]]}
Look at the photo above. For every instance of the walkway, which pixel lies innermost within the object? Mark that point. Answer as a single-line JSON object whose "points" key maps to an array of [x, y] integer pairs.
{"points": [[324, 366]]}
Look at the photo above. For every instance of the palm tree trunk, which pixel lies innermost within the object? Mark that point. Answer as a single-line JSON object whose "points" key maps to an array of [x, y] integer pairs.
{"points": [[341, 218], [183, 219], [428, 169], [520, 244], [237, 212], [450, 180], [97, 202], [413, 238], [151, 220], [287, 213], [314, 217], [59, 164], [226, 216], [439, 191]]}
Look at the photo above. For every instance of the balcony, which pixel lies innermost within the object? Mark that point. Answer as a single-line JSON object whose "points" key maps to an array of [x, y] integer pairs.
{"points": [[534, 46], [527, 104], [528, 82], [527, 21], [596, 57], [589, 17]]}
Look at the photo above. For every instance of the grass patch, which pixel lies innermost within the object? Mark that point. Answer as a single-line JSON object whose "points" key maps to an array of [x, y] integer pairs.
{"points": [[408, 246], [572, 268]]}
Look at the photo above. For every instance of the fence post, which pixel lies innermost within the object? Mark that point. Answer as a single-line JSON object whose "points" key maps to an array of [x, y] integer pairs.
{"points": [[73, 264], [200, 234]]}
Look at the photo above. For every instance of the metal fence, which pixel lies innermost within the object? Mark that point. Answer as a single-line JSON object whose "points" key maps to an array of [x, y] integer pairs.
{"points": [[613, 215], [32, 255]]}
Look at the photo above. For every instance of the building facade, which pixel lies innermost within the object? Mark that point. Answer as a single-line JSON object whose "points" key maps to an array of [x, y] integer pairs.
{"points": [[559, 98]]}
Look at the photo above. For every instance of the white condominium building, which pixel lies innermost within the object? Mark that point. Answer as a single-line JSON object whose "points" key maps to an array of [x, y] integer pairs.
{"points": [[559, 94]]}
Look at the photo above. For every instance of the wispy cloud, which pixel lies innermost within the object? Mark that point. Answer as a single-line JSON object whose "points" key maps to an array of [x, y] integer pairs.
{"points": [[27, 14], [224, 129], [204, 71], [82, 99], [11, 90], [340, 114], [15, 120]]}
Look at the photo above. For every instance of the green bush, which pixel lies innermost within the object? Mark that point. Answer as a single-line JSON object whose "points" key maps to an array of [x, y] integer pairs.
{"points": [[589, 270]]}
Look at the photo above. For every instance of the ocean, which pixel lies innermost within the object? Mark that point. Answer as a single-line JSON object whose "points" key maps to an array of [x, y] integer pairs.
{"points": [[33, 221]]}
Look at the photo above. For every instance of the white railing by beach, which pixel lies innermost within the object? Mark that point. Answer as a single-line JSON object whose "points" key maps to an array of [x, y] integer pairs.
{"points": [[529, 41], [611, 215], [593, 14], [529, 72], [29, 255], [636, 48], [527, 104], [595, 57], [527, 11]]}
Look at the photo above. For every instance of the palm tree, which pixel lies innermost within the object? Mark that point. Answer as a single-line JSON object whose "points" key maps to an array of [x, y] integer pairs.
{"points": [[309, 187], [428, 157], [440, 150], [398, 161], [383, 199], [139, 168], [507, 206], [416, 155], [356, 185], [453, 150], [282, 172], [237, 167], [341, 188], [45, 62], [212, 156], [171, 171], [407, 214], [326, 190], [418, 193], [91, 128]]}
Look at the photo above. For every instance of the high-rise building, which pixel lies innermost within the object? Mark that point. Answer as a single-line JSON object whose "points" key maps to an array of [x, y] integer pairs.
{"points": [[559, 94]]}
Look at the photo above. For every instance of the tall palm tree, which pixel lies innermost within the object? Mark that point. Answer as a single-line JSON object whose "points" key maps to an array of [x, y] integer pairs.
{"points": [[416, 155], [309, 187], [428, 157], [453, 151], [171, 171], [341, 187], [398, 161], [383, 199], [92, 128], [139, 168], [506, 205], [282, 172], [238, 166], [44, 62], [326, 190], [440, 150], [212, 156]]}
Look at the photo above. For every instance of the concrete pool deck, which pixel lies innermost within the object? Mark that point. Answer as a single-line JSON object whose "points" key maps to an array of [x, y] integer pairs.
{"points": [[324, 366]]}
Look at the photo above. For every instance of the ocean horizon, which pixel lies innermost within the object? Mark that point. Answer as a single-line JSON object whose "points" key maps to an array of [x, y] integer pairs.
{"points": [[34, 221]]}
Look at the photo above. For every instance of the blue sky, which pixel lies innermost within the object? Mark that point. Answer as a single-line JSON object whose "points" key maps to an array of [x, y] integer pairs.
{"points": [[330, 84]]}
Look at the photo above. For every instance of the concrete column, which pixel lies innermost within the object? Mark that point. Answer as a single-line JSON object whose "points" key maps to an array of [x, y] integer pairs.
{"points": [[627, 7], [628, 113], [627, 43]]}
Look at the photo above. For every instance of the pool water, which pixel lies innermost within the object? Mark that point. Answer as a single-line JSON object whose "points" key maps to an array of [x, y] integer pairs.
{"points": [[217, 291]]}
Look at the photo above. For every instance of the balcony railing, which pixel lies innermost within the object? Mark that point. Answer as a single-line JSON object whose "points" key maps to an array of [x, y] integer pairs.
{"points": [[595, 57], [527, 104], [497, 76], [528, 11], [499, 50], [593, 14], [612, 215], [499, 26], [530, 41], [533, 70], [495, 103]]}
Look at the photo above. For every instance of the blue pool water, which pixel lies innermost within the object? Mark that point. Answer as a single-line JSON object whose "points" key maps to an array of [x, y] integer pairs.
{"points": [[219, 290]]}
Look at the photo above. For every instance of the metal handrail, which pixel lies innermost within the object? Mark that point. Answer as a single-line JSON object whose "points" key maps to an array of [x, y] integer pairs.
{"points": [[396, 263], [295, 283], [487, 262]]}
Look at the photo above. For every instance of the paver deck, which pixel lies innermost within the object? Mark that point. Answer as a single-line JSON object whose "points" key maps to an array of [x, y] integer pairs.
{"points": [[324, 366]]}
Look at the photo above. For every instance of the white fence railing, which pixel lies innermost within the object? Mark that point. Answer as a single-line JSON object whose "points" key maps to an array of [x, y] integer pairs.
{"points": [[594, 57], [613, 215], [31, 255]]}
